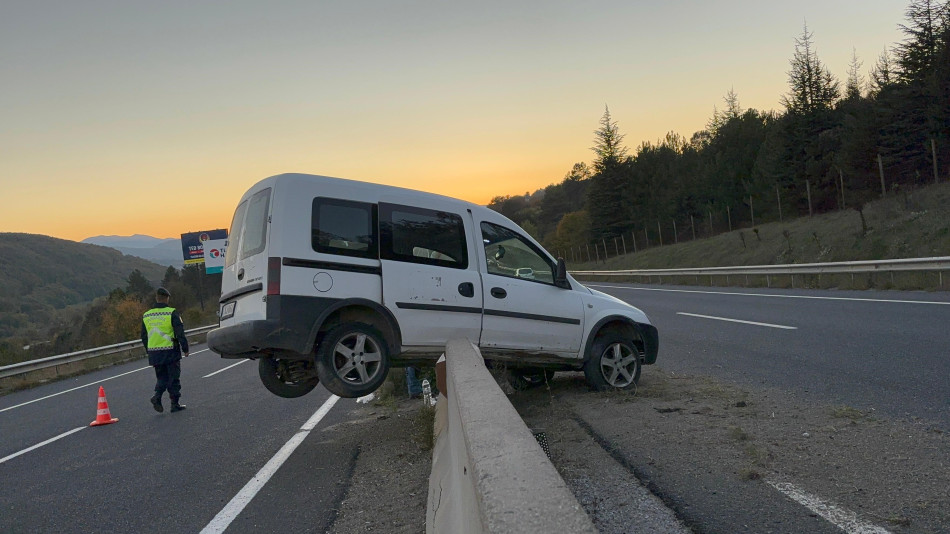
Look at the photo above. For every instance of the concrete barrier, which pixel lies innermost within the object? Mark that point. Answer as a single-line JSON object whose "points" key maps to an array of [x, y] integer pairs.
{"points": [[489, 474]]}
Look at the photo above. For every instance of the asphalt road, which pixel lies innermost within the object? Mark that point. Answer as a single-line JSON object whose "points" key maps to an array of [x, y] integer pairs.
{"points": [[886, 351], [152, 472]]}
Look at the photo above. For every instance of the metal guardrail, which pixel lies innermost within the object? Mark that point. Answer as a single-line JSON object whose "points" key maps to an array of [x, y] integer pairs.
{"points": [[873, 266], [52, 361]]}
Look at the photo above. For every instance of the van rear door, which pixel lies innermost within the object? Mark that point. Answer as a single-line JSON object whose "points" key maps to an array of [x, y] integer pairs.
{"points": [[243, 283], [430, 279]]}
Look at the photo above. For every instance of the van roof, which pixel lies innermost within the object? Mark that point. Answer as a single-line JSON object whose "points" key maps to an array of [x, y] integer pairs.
{"points": [[369, 188]]}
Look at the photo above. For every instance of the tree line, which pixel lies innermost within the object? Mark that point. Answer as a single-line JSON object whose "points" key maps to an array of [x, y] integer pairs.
{"points": [[117, 317], [834, 145]]}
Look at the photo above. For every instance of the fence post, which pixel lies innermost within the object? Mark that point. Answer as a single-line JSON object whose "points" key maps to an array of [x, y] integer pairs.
{"points": [[808, 192], [646, 237], [729, 217], [616, 247], [692, 225], [880, 169], [778, 196], [588, 252], [710, 223], [751, 211], [841, 179], [676, 238], [596, 253], [624, 242], [659, 231], [604, 241], [634, 235], [933, 150]]}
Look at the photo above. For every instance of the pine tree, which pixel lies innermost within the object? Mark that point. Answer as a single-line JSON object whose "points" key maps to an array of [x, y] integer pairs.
{"points": [[608, 145], [813, 87], [852, 90], [881, 75]]}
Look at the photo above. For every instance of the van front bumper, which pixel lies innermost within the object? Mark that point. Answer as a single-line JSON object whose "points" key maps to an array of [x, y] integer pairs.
{"points": [[249, 339]]}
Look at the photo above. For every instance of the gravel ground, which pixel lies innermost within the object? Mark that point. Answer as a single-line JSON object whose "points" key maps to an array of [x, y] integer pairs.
{"points": [[678, 434]]}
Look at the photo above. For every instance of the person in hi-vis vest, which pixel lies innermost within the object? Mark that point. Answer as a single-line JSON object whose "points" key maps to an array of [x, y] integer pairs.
{"points": [[163, 335]]}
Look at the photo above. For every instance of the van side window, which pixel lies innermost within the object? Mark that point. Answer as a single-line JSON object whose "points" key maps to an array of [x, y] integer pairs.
{"points": [[254, 237], [344, 227], [234, 235], [510, 254], [420, 235]]}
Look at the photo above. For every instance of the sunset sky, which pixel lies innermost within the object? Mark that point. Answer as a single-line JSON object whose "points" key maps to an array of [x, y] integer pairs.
{"points": [[150, 117]]}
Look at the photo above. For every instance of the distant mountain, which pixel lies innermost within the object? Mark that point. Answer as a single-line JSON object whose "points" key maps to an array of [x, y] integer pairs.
{"points": [[42, 274], [161, 251]]}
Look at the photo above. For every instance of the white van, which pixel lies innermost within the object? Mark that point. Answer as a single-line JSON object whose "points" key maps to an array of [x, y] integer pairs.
{"points": [[336, 280]]}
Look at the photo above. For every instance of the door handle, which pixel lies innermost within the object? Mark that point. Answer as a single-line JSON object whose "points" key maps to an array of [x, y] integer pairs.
{"points": [[498, 293], [467, 289], [241, 273]]}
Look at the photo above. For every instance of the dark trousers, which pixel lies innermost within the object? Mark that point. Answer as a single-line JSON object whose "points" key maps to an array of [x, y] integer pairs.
{"points": [[168, 376]]}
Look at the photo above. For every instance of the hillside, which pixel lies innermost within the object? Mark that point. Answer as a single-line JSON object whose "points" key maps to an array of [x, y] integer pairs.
{"points": [[42, 275], [161, 251], [902, 226]]}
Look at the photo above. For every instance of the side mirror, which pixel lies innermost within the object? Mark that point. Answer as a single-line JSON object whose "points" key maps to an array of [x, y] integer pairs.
{"points": [[500, 253], [560, 275]]}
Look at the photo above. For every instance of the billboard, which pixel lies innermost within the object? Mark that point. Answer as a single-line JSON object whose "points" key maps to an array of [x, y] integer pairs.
{"points": [[192, 244], [214, 255]]}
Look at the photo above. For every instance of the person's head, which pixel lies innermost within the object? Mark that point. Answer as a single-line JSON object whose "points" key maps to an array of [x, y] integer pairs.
{"points": [[162, 295]]}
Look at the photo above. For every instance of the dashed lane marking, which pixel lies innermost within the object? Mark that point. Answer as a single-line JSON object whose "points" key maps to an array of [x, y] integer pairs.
{"points": [[842, 518], [738, 321], [225, 369], [38, 445], [83, 386], [812, 297]]}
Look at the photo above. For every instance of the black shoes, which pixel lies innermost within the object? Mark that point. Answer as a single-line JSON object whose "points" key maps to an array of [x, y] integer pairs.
{"points": [[177, 407], [157, 403]]}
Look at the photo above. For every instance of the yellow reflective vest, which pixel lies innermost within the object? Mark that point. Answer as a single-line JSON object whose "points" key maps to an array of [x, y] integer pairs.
{"points": [[158, 325]]}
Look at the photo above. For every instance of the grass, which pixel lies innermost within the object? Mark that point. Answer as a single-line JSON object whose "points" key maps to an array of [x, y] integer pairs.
{"points": [[902, 226]]}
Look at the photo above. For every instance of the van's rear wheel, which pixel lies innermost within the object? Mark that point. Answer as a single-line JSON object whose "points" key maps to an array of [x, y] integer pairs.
{"points": [[352, 360], [287, 378], [614, 363]]}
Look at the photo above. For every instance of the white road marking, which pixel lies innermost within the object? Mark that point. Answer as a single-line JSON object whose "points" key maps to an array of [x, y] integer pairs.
{"points": [[225, 369], [842, 518], [74, 389], [198, 352], [80, 387], [738, 321], [38, 445], [243, 497], [855, 299]]}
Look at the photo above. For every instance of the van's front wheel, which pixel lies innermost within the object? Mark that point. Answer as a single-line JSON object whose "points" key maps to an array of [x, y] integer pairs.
{"points": [[614, 363], [352, 360], [287, 378]]}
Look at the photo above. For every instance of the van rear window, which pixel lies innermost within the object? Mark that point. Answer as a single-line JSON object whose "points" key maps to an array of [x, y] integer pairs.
{"points": [[254, 237], [237, 222], [344, 227]]}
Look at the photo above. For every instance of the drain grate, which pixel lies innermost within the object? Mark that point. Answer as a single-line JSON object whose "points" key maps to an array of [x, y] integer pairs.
{"points": [[542, 441]]}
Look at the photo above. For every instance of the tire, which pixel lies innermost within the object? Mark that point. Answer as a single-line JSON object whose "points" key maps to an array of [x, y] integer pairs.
{"points": [[613, 363], [274, 375], [529, 377], [353, 360]]}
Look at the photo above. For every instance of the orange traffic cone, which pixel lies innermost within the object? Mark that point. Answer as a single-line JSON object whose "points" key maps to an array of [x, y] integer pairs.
{"points": [[103, 417]]}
